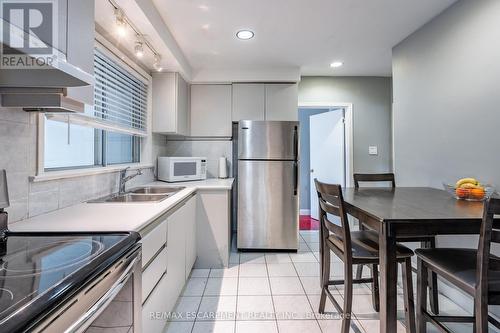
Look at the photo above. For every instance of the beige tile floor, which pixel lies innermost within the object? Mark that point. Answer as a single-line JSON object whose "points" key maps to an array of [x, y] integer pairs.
{"points": [[276, 292]]}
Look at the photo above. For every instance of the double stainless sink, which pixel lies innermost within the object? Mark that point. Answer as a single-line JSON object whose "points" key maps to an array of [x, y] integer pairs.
{"points": [[141, 194]]}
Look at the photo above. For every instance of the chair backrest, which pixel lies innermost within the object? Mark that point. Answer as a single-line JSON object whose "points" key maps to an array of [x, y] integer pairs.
{"points": [[490, 232], [374, 177], [331, 202]]}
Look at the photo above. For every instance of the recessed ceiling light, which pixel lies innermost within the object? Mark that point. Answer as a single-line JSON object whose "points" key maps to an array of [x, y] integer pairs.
{"points": [[245, 34], [336, 64]]}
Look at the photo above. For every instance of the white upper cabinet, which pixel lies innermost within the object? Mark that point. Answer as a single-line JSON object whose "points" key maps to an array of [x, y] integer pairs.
{"points": [[170, 104], [282, 101], [211, 110], [265, 101], [215, 106], [248, 101]]}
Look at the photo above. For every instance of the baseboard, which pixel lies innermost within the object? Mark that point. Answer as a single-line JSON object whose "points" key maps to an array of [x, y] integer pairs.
{"points": [[305, 212]]}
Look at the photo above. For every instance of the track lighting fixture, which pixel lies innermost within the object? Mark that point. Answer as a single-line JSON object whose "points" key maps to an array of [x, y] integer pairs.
{"points": [[121, 22], [157, 63], [139, 49]]}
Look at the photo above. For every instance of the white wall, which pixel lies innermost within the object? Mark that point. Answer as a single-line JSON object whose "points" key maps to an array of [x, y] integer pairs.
{"points": [[371, 99], [18, 144], [446, 79]]}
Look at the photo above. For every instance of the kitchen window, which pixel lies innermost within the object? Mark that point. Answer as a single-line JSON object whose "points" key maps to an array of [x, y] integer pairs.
{"points": [[109, 132]]}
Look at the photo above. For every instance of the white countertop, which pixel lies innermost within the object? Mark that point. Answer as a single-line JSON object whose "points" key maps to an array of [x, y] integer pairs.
{"points": [[207, 184], [115, 216]]}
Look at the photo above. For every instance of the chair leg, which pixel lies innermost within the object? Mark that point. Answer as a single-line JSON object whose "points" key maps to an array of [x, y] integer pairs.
{"points": [[359, 268], [346, 318], [422, 281], [325, 269], [433, 287], [375, 289], [408, 296], [480, 314], [359, 271]]}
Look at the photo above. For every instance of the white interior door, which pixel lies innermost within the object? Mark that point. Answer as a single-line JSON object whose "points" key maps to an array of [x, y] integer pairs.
{"points": [[327, 152]]}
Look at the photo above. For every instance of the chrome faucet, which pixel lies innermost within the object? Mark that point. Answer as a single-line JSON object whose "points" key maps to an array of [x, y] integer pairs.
{"points": [[124, 180]]}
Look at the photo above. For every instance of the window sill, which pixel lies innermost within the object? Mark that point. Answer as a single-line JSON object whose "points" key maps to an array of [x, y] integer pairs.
{"points": [[64, 174]]}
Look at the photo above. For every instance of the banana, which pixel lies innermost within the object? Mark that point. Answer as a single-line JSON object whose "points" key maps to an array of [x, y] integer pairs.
{"points": [[470, 186], [465, 181]]}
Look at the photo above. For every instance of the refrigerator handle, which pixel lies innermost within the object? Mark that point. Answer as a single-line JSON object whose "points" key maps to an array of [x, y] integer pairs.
{"points": [[295, 162], [295, 177], [295, 144]]}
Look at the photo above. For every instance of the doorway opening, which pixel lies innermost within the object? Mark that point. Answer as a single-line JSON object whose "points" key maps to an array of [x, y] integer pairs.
{"points": [[325, 154]]}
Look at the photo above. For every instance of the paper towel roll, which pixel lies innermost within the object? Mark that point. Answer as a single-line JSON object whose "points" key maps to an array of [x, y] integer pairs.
{"points": [[222, 167]]}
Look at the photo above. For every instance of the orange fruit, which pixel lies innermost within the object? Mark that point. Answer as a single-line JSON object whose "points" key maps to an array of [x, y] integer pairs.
{"points": [[477, 193], [462, 193]]}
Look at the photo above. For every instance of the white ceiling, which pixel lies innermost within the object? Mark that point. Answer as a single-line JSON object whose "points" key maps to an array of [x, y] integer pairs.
{"points": [[309, 34], [106, 26]]}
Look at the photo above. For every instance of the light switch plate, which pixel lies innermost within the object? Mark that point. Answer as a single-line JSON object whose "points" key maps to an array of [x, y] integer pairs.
{"points": [[373, 150]]}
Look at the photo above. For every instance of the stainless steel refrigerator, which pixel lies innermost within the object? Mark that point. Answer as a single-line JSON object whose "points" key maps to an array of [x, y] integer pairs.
{"points": [[268, 183]]}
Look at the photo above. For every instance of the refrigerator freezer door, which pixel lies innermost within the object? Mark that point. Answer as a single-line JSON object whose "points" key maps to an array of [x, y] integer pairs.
{"points": [[268, 211], [268, 140]]}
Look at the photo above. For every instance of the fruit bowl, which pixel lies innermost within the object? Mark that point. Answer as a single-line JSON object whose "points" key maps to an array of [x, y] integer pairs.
{"points": [[479, 193]]}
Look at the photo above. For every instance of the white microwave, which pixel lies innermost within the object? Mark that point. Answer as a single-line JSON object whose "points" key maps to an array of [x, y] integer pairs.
{"points": [[179, 169]]}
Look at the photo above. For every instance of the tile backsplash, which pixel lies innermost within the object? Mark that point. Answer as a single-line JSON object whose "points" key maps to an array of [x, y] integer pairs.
{"points": [[18, 142], [56, 194], [211, 149]]}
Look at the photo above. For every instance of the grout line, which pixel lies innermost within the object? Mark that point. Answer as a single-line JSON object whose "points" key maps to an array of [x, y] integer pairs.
{"points": [[305, 293], [201, 300], [237, 294], [272, 299]]}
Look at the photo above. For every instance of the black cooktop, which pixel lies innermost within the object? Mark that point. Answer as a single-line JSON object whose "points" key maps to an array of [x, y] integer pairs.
{"points": [[40, 270]]}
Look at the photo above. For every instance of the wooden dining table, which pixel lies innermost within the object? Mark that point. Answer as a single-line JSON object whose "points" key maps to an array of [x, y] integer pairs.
{"points": [[407, 212]]}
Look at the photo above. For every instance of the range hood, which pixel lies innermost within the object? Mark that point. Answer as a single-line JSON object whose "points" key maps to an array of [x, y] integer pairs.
{"points": [[41, 89], [40, 100]]}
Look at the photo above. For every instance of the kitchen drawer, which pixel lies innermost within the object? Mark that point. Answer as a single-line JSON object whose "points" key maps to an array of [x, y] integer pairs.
{"points": [[153, 273], [161, 301], [153, 241]]}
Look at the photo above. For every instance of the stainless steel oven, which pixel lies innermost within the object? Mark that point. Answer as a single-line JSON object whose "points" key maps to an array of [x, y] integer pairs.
{"points": [[110, 302]]}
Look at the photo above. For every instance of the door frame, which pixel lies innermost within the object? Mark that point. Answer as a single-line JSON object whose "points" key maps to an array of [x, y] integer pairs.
{"points": [[348, 123]]}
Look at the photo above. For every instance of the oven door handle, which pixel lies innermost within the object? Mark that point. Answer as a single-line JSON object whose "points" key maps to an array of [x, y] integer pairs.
{"points": [[84, 321]]}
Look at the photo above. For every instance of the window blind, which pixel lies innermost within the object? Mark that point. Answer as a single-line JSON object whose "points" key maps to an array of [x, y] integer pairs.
{"points": [[120, 100], [119, 97]]}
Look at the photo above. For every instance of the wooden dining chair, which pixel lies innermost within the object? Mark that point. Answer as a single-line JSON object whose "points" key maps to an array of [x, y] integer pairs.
{"points": [[476, 272], [353, 248], [425, 241], [374, 177]]}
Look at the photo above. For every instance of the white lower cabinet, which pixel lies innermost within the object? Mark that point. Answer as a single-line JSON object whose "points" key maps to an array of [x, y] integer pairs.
{"points": [[213, 225], [152, 274], [153, 242], [190, 220], [157, 306], [176, 245], [165, 276]]}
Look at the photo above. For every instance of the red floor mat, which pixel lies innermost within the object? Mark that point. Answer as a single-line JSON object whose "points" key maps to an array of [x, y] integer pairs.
{"points": [[306, 222]]}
